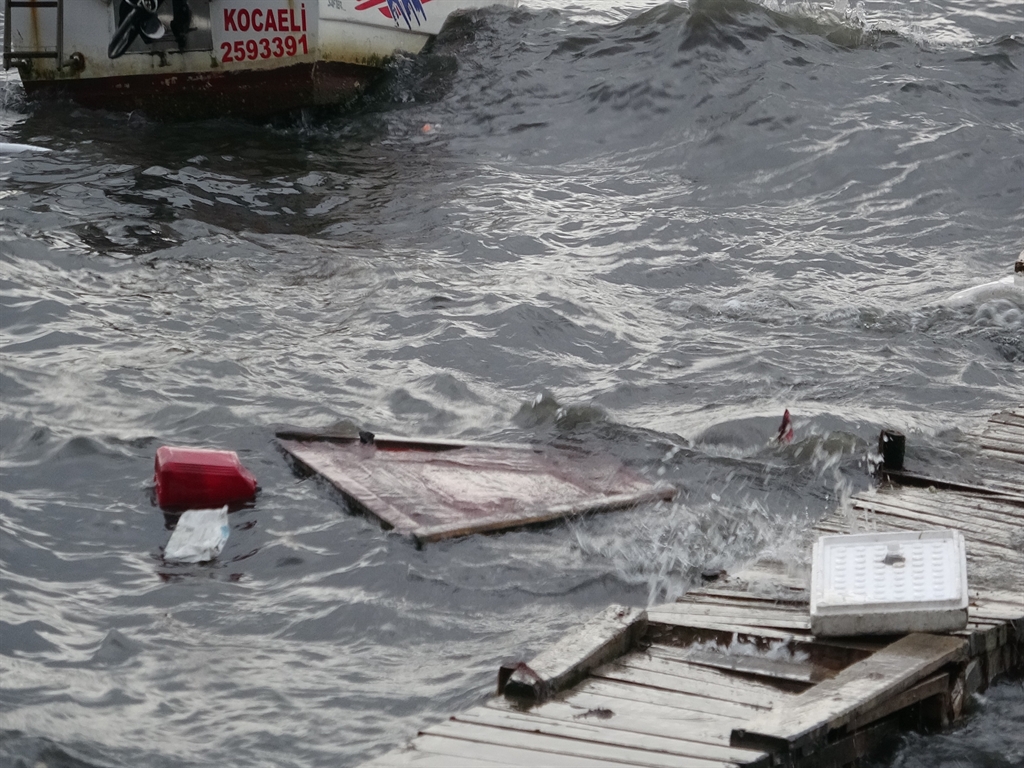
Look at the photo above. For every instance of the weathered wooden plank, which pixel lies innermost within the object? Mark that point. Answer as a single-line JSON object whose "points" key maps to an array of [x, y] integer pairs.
{"points": [[1001, 613], [998, 604], [1005, 486], [642, 717], [935, 685], [772, 577], [761, 666], [1011, 450], [729, 594], [523, 754], [1007, 520], [707, 738], [614, 689], [778, 619], [597, 731], [994, 453], [998, 510], [798, 619], [983, 639], [649, 678], [1003, 474], [1010, 422], [993, 533], [546, 746], [608, 635], [1011, 418], [1013, 595], [735, 687], [1009, 432], [1001, 450], [658, 682], [995, 443], [856, 690], [674, 618], [502, 521], [410, 757], [905, 479], [1003, 433], [831, 653]]}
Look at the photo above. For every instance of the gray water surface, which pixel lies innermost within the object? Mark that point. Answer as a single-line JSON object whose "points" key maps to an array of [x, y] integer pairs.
{"points": [[643, 229]]}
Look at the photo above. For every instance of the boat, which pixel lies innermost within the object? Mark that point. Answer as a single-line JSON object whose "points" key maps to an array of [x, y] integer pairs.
{"points": [[212, 58]]}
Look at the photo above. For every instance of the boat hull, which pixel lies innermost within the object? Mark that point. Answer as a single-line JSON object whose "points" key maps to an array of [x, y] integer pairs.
{"points": [[210, 94]]}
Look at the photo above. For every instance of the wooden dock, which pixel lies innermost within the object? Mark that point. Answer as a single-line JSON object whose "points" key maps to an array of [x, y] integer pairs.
{"points": [[730, 674]]}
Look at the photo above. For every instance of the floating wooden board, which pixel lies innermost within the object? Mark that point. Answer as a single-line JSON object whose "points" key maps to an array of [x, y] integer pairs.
{"points": [[434, 490]]}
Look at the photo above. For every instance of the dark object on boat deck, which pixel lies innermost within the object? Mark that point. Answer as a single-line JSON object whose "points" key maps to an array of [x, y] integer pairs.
{"points": [[785, 429], [539, 690], [712, 574], [440, 489], [892, 445], [366, 438], [197, 478]]}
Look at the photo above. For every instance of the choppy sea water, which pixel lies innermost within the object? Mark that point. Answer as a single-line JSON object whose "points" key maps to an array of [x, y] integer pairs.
{"points": [[645, 229]]}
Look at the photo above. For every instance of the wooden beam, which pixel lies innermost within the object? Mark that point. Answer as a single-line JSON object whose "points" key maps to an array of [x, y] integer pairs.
{"points": [[645, 717], [498, 522], [797, 618], [608, 635], [902, 477], [856, 690], [667, 616], [660, 658], [657, 680], [682, 702], [760, 666]]}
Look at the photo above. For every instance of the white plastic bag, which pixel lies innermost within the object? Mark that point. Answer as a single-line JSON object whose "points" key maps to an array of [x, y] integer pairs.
{"points": [[199, 536]]}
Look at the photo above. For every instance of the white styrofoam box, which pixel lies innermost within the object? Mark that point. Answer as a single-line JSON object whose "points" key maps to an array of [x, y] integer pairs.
{"points": [[889, 583]]}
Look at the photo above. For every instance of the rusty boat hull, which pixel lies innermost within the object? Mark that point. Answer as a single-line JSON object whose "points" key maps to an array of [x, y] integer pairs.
{"points": [[212, 58], [198, 95]]}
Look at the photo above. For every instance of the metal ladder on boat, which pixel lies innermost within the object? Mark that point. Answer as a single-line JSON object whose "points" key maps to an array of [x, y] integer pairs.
{"points": [[10, 54]]}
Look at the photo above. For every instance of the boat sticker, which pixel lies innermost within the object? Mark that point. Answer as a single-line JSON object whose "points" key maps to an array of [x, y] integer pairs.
{"points": [[406, 11], [159, 26], [252, 31]]}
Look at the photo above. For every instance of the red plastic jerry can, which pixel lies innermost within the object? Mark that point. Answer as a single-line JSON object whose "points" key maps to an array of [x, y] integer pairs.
{"points": [[197, 478]]}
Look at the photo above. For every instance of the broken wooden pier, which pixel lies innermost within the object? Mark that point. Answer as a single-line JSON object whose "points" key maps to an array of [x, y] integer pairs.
{"points": [[730, 674]]}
